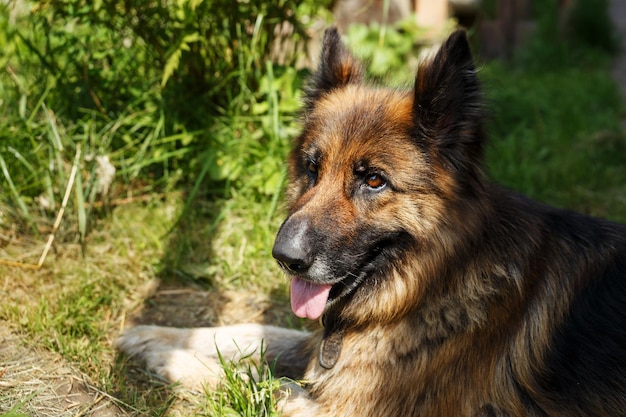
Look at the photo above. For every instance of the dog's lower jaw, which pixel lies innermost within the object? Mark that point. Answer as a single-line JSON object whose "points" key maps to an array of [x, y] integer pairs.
{"points": [[381, 254]]}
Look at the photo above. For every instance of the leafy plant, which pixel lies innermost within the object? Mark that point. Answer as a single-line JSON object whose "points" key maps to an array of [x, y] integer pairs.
{"points": [[391, 52], [169, 92]]}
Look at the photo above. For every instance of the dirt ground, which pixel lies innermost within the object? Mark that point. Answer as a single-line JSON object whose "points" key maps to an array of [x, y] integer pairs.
{"points": [[48, 385]]}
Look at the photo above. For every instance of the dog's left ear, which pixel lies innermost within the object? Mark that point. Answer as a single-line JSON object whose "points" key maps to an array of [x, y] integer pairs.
{"points": [[447, 108], [337, 68]]}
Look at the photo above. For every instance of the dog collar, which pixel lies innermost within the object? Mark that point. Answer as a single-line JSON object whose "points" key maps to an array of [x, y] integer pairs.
{"points": [[330, 349], [332, 341]]}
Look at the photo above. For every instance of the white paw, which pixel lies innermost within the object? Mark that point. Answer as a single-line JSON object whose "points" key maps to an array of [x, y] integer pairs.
{"points": [[166, 352]]}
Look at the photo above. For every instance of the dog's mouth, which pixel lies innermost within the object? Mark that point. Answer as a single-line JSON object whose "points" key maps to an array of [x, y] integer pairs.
{"points": [[310, 299]]}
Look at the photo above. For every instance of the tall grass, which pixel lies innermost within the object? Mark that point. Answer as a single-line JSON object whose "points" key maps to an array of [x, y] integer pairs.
{"points": [[168, 93], [248, 390]]}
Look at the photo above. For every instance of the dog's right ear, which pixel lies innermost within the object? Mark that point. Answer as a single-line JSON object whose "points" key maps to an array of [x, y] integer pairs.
{"points": [[337, 68], [448, 111]]}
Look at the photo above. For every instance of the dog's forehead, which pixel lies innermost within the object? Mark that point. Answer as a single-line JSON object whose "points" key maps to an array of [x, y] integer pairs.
{"points": [[360, 123]]}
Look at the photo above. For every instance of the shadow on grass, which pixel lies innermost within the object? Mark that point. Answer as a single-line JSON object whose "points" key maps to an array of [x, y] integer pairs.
{"points": [[217, 269], [209, 276]]}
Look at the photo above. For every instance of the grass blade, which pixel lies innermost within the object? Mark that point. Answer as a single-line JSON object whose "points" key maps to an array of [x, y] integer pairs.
{"points": [[80, 202], [54, 136], [17, 197], [66, 197]]}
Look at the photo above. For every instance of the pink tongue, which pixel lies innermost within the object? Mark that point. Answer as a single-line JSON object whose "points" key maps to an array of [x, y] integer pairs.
{"points": [[308, 299]]}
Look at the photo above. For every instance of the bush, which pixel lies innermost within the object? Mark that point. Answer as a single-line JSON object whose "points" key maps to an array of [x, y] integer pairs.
{"points": [[165, 91]]}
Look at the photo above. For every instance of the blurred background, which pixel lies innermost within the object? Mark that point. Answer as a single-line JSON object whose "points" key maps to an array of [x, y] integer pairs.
{"points": [[142, 148]]}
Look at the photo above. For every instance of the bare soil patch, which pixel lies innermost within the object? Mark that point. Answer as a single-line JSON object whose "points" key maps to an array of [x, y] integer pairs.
{"points": [[40, 383], [188, 305]]}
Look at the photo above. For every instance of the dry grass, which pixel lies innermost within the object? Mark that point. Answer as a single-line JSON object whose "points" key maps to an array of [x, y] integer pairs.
{"points": [[38, 382]]}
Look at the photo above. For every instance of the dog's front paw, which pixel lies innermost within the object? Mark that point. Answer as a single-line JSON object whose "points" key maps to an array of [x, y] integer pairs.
{"points": [[166, 352], [138, 339]]}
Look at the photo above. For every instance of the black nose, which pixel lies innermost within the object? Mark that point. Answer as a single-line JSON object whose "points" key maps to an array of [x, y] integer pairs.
{"points": [[292, 249]]}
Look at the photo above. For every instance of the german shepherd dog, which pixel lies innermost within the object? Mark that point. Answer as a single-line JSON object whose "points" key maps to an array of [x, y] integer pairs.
{"points": [[439, 293]]}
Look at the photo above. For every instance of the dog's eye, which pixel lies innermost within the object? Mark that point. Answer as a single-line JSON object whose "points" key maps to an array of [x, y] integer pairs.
{"points": [[375, 181], [311, 170]]}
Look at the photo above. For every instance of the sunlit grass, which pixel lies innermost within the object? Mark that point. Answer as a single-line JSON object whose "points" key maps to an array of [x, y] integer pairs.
{"points": [[248, 390]]}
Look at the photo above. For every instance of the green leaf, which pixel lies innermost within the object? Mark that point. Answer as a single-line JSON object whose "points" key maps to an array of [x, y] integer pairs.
{"points": [[273, 184], [174, 59]]}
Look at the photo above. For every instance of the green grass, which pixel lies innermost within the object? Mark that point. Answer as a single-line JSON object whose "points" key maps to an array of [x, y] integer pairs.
{"points": [[556, 136], [248, 389]]}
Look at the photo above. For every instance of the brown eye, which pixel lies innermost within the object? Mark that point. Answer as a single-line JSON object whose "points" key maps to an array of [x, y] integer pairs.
{"points": [[375, 181], [311, 171]]}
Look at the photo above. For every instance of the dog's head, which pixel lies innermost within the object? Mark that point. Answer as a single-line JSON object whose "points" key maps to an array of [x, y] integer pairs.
{"points": [[374, 175]]}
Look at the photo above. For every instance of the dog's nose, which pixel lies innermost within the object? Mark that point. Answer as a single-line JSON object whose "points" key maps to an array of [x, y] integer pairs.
{"points": [[291, 248]]}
